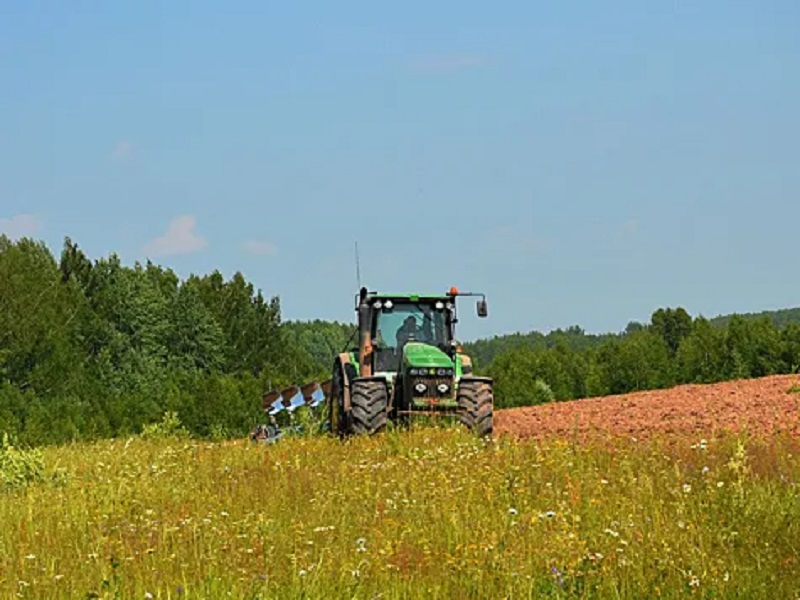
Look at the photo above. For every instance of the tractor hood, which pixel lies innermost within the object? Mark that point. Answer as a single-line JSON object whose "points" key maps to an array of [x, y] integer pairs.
{"points": [[417, 354]]}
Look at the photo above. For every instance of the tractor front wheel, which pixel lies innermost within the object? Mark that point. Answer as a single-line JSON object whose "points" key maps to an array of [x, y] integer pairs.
{"points": [[476, 405], [369, 402]]}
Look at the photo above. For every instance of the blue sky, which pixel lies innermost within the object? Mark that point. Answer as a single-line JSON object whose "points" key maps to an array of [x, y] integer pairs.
{"points": [[581, 163]]}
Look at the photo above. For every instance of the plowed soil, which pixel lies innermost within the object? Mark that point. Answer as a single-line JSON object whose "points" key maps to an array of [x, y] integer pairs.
{"points": [[761, 406]]}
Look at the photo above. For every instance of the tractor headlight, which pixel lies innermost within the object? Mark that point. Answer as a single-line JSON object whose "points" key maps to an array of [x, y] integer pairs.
{"points": [[444, 372], [420, 388], [443, 388]]}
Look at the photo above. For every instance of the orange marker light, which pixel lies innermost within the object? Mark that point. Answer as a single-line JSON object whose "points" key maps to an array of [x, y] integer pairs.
{"points": [[454, 291]]}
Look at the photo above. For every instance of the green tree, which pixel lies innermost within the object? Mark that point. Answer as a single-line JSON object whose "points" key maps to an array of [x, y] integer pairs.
{"points": [[639, 361], [790, 348], [673, 325], [701, 356]]}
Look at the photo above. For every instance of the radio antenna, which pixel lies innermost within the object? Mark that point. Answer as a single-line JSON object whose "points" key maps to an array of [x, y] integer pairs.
{"points": [[358, 268]]}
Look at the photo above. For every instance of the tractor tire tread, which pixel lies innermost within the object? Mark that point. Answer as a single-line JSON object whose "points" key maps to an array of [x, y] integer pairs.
{"points": [[369, 402], [476, 406]]}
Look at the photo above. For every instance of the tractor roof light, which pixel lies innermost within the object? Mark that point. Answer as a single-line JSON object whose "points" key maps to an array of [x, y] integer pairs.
{"points": [[454, 291]]}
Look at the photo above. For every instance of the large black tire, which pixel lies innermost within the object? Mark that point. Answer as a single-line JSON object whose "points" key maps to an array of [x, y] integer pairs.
{"points": [[476, 405], [369, 402]]}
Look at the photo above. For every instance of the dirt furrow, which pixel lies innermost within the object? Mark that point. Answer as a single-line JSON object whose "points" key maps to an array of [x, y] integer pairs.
{"points": [[761, 406]]}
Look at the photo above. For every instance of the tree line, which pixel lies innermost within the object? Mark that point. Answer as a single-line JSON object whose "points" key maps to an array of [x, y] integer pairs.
{"points": [[95, 348], [672, 349]]}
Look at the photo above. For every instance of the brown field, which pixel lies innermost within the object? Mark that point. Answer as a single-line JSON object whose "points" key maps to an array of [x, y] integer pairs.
{"points": [[759, 406]]}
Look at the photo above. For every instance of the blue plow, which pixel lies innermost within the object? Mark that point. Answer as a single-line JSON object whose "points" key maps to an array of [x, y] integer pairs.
{"points": [[282, 404]]}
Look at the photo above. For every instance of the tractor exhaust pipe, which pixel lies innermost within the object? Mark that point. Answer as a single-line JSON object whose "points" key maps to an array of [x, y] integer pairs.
{"points": [[365, 338]]}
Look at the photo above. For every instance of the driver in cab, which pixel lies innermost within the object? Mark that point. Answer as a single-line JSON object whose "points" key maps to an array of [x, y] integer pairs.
{"points": [[408, 331]]}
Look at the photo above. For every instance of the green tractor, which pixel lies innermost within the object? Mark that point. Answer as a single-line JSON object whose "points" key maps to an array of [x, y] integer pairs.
{"points": [[407, 363]]}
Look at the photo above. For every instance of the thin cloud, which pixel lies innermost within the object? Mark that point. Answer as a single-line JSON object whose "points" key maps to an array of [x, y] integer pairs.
{"points": [[180, 238], [122, 150], [260, 248], [445, 64], [20, 225]]}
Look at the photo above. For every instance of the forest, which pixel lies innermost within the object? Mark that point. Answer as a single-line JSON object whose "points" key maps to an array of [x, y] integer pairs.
{"points": [[94, 348], [673, 348]]}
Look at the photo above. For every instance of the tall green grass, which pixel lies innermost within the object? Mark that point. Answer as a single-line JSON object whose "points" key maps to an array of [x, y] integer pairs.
{"points": [[428, 513]]}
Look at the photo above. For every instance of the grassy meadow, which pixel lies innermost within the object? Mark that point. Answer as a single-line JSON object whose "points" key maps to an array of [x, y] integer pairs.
{"points": [[429, 513]]}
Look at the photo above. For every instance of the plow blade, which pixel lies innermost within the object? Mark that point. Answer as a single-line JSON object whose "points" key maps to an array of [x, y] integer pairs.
{"points": [[292, 398], [271, 402], [312, 394]]}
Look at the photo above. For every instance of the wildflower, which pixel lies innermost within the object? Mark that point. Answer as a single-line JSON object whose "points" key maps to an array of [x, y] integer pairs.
{"points": [[302, 573], [686, 488], [694, 581], [595, 556], [611, 532], [557, 574], [705, 470], [604, 481], [720, 484], [31, 557], [550, 514], [512, 511], [148, 595], [361, 545]]}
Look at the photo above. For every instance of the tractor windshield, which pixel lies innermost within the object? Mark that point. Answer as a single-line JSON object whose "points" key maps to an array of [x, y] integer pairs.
{"points": [[403, 322]]}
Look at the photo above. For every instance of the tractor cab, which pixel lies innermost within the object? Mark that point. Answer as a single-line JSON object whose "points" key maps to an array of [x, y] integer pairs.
{"points": [[396, 321]]}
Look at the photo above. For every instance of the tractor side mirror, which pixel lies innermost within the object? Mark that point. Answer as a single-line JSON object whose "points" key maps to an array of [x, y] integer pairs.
{"points": [[483, 310]]}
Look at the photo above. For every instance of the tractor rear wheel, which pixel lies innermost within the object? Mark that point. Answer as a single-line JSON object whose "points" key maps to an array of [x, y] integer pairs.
{"points": [[476, 405], [369, 402]]}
